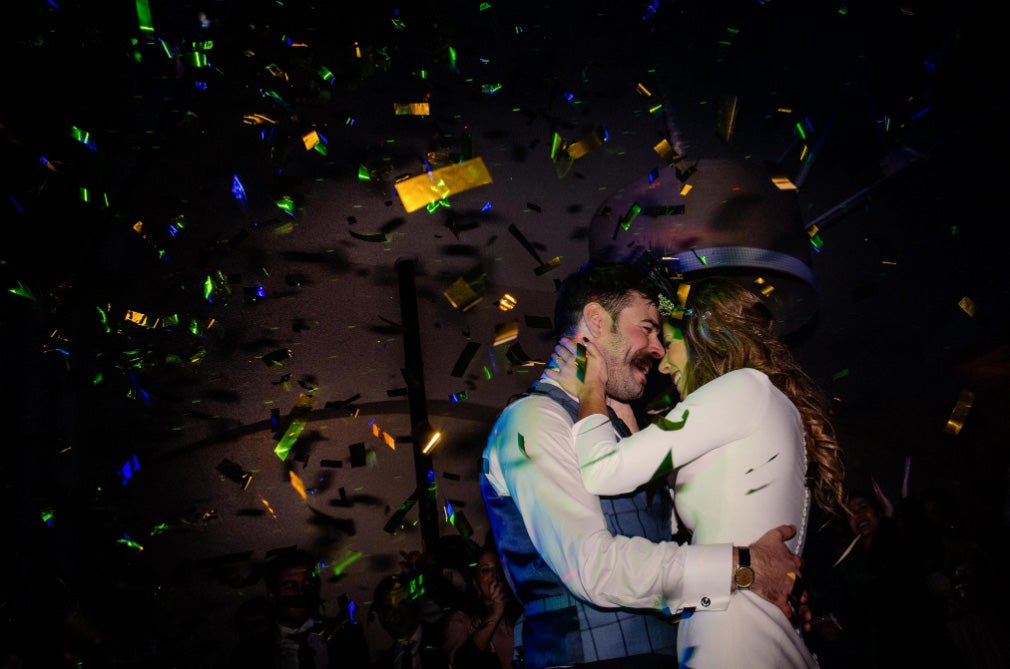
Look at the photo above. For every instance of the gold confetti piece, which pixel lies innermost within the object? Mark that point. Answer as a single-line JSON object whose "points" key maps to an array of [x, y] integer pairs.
{"points": [[310, 139], [960, 413], [462, 295], [506, 332], [298, 485], [667, 152], [967, 305], [551, 264], [779, 177], [140, 319], [411, 108], [763, 286], [421, 190], [726, 118], [383, 435], [685, 189], [590, 142], [507, 302]]}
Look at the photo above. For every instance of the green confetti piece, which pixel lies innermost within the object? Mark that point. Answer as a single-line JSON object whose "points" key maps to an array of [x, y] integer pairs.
{"points": [[127, 541], [339, 568], [630, 216], [667, 425], [24, 291], [556, 144], [144, 16], [283, 448], [580, 362]]}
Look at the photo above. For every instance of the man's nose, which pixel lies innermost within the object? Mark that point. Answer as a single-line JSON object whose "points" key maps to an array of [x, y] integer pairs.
{"points": [[656, 348]]}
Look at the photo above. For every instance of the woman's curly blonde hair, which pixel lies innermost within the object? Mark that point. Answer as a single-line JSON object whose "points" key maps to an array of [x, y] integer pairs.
{"points": [[728, 327]]}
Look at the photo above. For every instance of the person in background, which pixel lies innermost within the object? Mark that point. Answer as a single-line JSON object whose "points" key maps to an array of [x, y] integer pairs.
{"points": [[286, 630], [749, 443], [480, 635], [402, 609], [600, 578]]}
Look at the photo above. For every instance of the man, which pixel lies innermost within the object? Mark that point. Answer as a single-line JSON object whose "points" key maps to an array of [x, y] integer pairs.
{"points": [[285, 629], [599, 577], [400, 605]]}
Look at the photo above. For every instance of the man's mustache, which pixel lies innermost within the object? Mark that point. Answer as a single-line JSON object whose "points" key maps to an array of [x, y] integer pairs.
{"points": [[299, 601]]}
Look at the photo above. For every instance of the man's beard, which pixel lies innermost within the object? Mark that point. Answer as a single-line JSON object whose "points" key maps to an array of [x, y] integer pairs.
{"points": [[622, 382]]}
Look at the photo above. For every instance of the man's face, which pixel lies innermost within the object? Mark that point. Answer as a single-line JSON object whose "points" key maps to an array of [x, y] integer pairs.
{"points": [[297, 593], [630, 348]]}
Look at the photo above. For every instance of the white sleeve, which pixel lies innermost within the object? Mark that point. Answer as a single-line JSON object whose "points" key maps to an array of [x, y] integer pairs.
{"points": [[720, 412], [532, 459]]}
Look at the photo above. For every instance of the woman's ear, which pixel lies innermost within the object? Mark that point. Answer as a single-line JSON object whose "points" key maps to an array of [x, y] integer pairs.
{"points": [[596, 318]]}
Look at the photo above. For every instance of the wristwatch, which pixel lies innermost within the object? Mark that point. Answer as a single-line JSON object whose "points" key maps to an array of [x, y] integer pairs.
{"points": [[743, 576]]}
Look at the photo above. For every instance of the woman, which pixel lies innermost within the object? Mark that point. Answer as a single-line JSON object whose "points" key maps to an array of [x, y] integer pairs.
{"points": [[480, 636], [749, 443]]}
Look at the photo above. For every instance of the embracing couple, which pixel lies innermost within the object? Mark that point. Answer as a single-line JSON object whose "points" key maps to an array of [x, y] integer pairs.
{"points": [[580, 500]]}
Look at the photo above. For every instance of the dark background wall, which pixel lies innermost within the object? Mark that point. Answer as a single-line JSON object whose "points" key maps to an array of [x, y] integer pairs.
{"points": [[901, 108]]}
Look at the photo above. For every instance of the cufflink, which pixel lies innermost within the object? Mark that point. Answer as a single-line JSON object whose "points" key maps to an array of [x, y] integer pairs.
{"points": [[706, 602]]}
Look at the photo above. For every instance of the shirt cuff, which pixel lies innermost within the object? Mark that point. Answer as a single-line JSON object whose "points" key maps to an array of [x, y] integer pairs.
{"points": [[707, 579]]}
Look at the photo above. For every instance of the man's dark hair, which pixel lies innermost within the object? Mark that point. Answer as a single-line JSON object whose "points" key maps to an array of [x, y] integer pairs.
{"points": [[287, 560], [609, 284]]}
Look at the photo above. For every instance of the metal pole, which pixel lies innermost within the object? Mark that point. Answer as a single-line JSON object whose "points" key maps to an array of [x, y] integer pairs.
{"points": [[413, 373]]}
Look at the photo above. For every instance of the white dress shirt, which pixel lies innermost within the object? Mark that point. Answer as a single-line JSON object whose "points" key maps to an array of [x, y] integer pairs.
{"points": [[531, 456]]}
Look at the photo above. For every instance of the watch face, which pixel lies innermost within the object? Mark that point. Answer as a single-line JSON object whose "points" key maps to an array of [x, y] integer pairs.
{"points": [[744, 577]]}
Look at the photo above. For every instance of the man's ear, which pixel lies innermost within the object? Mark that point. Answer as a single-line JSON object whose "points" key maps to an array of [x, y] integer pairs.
{"points": [[596, 318]]}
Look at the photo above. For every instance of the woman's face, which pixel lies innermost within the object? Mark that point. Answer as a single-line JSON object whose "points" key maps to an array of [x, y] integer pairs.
{"points": [[674, 362], [487, 573], [864, 520]]}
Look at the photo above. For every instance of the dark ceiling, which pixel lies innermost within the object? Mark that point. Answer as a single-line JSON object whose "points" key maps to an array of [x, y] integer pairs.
{"points": [[888, 116]]}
